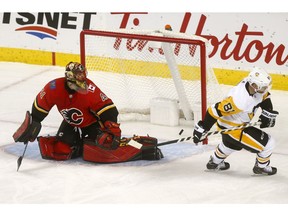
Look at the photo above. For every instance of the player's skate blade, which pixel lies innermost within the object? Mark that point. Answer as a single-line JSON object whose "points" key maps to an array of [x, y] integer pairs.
{"points": [[269, 170], [213, 166]]}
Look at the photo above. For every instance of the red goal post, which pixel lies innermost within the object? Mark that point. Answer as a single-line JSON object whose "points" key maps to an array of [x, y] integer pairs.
{"points": [[163, 55]]}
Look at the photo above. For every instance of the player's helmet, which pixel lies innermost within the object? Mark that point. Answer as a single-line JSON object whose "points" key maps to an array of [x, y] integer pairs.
{"points": [[76, 75], [260, 80]]}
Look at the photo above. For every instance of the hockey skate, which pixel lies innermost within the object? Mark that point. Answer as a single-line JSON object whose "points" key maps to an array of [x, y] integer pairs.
{"points": [[213, 166], [268, 170]]}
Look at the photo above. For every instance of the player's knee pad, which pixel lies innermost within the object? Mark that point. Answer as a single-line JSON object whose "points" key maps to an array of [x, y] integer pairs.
{"points": [[53, 149]]}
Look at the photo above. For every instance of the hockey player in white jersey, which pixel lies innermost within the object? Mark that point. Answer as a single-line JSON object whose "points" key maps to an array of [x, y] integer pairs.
{"points": [[238, 109]]}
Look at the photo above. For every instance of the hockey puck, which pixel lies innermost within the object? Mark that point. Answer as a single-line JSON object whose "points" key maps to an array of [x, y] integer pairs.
{"points": [[181, 132]]}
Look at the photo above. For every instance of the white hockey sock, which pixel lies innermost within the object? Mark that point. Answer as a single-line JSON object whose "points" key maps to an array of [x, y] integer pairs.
{"points": [[263, 157], [221, 153]]}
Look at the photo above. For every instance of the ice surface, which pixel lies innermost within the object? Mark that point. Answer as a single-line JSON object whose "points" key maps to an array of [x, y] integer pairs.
{"points": [[180, 178]]}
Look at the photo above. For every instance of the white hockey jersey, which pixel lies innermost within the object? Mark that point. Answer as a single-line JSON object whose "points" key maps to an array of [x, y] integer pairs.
{"points": [[238, 108]]}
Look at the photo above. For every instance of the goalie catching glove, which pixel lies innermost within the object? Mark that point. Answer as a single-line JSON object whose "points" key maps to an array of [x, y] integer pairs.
{"points": [[109, 139], [28, 131], [268, 118], [199, 132]]}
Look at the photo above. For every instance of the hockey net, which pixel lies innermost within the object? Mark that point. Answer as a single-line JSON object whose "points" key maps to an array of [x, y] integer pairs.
{"points": [[133, 67]]}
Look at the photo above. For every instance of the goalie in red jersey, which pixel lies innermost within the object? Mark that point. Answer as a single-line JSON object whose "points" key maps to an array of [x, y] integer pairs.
{"points": [[89, 127]]}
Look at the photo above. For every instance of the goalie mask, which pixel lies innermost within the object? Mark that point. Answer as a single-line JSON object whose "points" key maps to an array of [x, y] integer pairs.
{"points": [[260, 80], [76, 75]]}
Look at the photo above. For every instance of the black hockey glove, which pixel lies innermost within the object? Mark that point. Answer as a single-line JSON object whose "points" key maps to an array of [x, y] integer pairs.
{"points": [[268, 118], [199, 132]]}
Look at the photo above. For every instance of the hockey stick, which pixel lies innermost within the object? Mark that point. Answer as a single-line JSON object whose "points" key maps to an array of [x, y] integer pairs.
{"points": [[19, 161], [211, 133], [251, 124], [139, 146]]}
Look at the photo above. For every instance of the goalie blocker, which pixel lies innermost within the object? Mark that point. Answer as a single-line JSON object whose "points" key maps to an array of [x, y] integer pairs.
{"points": [[28, 131]]}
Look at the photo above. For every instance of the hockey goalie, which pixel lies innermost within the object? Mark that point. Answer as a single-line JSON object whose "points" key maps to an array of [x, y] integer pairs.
{"points": [[89, 128]]}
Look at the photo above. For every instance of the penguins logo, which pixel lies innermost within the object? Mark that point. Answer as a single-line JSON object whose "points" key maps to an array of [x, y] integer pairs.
{"points": [[72, 116]]}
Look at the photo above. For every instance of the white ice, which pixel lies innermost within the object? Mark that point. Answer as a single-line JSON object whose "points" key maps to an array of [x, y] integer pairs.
{"points": [[180, 178]]}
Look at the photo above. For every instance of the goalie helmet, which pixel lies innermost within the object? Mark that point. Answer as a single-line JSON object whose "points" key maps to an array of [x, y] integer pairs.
{"points": [[76, 75], [260, 80]]}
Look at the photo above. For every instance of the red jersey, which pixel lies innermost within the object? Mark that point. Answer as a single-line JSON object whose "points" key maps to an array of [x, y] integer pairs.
{"points": [[76, 107]]}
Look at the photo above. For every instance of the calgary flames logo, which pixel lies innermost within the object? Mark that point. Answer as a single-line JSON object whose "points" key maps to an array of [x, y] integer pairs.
{"points": [[72, 116]]}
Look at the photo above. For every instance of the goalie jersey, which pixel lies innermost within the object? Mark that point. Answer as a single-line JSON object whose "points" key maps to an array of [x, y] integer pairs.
{"points": [[239, 107], [74, 107]]}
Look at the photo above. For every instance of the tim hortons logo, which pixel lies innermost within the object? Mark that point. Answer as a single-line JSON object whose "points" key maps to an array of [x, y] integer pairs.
{"points": [[226, 47]]}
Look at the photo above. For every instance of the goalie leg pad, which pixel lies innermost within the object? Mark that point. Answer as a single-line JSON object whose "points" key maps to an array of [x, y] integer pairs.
{"points": [[52, 149], [94, 153]]}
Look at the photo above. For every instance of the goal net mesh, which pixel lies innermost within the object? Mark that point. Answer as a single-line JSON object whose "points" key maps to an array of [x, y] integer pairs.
{"points": [[132, 70]]}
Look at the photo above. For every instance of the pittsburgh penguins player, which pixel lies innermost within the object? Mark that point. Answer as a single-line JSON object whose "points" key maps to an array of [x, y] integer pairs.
{"points": [[237, 109], [89, 127]]}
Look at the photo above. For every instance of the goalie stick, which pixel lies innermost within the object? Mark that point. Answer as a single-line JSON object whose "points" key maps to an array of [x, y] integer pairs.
{"points": [[28, 131], [139, 146], [20, 134], [19, 161]]}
